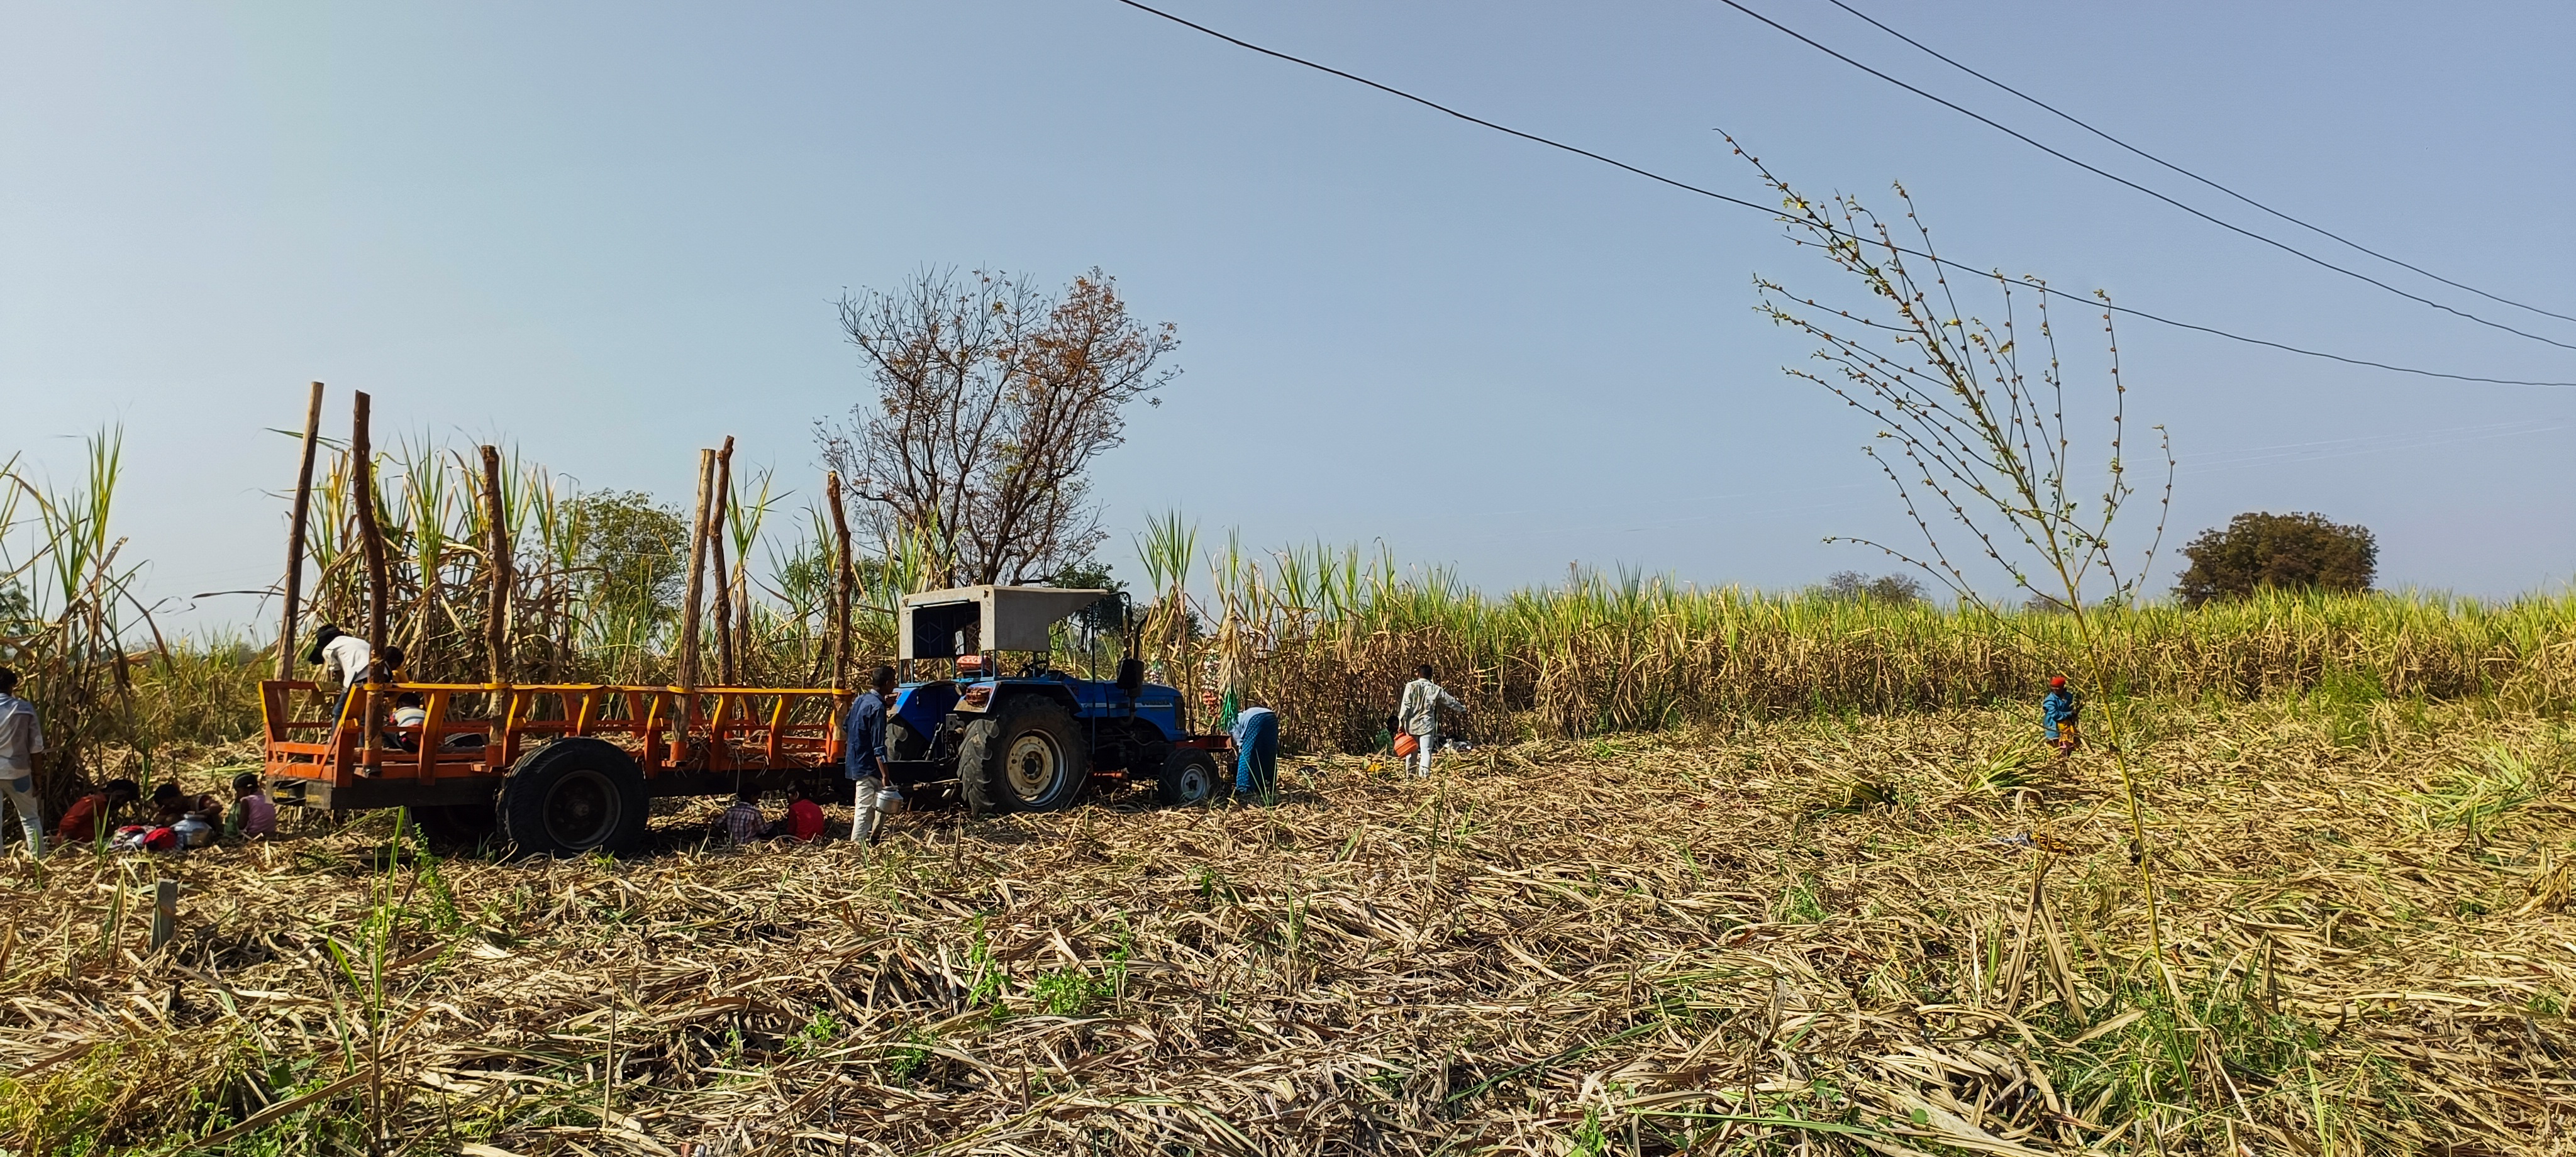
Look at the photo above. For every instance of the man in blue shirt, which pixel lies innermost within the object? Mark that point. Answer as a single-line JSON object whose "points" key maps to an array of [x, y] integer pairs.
{"points": [[864, 761], [1256, 761]]}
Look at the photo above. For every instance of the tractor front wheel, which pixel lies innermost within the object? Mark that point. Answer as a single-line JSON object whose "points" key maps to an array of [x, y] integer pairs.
{"points": [[1028, 757], [1189, 777]]}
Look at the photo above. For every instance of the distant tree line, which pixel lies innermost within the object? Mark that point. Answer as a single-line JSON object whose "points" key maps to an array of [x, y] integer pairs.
{"points": [[2256, 550]]}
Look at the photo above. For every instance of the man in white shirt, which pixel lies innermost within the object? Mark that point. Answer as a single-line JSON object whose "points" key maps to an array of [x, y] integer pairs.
{"points": [[21, 737], [1418, 715], [345, 660], [344, 657]]}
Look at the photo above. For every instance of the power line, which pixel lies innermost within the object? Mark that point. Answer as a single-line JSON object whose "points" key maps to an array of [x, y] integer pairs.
{"points": [[1773, 212], [2230, 226], [2314, 228]]}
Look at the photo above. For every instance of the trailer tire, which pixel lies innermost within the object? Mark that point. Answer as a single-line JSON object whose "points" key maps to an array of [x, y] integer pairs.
{"points": [[456, 825], [1189, 777], [1027, 758], [575, 796]]}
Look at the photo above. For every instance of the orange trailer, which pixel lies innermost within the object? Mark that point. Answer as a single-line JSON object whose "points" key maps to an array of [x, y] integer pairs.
{"points": [[553, 768]]}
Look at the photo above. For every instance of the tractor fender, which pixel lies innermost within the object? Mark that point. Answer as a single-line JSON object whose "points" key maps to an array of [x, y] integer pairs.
{"points": [[1004, 693]]}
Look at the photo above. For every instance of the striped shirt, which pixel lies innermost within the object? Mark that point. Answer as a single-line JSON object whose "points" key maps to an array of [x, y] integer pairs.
{"points": [[20, 737]]}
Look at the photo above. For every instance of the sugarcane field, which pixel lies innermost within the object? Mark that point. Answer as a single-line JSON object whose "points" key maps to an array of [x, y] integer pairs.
{"points": [[2064, 646]]}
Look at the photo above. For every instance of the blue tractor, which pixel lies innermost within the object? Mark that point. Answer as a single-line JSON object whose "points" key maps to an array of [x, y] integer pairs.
{"points": [[1030, 739]]}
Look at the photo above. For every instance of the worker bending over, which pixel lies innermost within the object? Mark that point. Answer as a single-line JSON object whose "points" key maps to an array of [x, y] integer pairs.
{"points": [[1256, 759]]}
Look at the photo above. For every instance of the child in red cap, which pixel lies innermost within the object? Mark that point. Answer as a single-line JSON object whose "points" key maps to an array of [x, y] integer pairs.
{"points": [[2058, 713]]}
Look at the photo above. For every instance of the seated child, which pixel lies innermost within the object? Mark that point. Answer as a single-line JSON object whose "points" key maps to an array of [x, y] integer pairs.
{"points": [[168, 804], [407, 713], [80, 825], [741, 822], [803, 821], [252, 816], [170, 807]]}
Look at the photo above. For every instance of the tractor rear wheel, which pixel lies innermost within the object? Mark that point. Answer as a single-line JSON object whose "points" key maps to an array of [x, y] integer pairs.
{"points": [[1027, 758], [1189, 777], [575, 796]]}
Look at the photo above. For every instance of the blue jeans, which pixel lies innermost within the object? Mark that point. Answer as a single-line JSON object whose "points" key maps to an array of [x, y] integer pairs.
{"points": [[1256, 760]]}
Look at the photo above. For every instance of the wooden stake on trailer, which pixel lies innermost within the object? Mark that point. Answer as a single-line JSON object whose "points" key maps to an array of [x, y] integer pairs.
{"points": [[697, 574], [497, 558], [716, 556], [371, 536], [295, 538], [843, 578], [742, 607]]}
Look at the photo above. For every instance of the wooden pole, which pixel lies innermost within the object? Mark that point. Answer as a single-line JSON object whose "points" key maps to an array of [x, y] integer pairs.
{"points": [[295, 539], [165, 913], [742, 611], [362, 493], [716, 553], [697, 574], [496, 637], [844, 577]]}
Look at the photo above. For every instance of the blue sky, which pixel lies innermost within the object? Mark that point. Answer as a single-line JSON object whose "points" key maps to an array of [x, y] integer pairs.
{"points": [[614, 233]]}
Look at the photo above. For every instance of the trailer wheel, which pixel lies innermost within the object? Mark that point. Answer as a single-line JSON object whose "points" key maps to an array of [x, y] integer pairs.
{"points": [[575, 796], [1189, 777], [1027, 758], [456, 825]]}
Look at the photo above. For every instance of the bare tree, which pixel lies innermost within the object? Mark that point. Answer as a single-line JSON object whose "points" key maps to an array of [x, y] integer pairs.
{"points": [[992, 400], [1980, 423]]}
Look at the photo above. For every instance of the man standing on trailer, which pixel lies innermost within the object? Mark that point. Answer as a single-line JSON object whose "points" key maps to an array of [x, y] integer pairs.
{"points": [[864, 762]]}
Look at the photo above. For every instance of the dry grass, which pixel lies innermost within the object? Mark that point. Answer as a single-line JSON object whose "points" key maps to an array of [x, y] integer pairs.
{"points": [[1638, 945]]}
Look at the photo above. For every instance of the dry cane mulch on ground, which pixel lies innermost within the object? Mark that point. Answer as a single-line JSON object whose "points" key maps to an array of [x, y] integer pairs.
{"points": [[1909, 935]]}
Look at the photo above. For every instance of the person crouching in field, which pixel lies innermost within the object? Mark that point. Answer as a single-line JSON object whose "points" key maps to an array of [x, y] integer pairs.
{"points": [[803, 822], [81, 822], [741, 823], [252, 816], [1418, 714], [2057, 713]]}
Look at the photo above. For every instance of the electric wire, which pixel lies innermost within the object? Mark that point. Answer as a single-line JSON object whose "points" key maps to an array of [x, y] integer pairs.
{"points": [[2105, 174], [2069, 118], [1685, 186]]}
